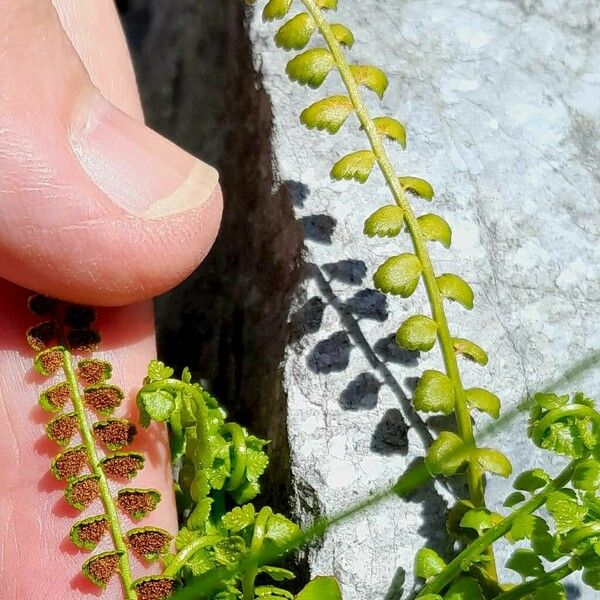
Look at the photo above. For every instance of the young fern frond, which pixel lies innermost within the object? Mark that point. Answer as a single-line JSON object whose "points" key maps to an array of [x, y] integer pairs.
{"points": [[219, 464], [87, 466]]}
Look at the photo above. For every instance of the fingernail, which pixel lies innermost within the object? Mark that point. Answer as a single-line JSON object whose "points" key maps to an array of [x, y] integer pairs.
{"points": [[142, 172]]}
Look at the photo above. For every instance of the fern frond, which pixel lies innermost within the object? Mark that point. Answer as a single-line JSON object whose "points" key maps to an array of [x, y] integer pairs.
{"points": [[80, 393], [401, 274]]}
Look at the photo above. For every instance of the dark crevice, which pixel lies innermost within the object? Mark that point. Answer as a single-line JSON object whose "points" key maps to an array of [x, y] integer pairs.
{"points": [[228, 321]]}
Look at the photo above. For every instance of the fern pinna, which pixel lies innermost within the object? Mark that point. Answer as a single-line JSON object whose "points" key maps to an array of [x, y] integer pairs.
{"points": [[95, 449]]}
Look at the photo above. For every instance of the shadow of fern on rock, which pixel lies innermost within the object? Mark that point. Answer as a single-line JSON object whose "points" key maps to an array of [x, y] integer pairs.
{"points": [[361, 393], [331, 355], [391, 434], [350, 271], [307, 319], [318, 228], [297, 191], [368, 304], [365, 304]]}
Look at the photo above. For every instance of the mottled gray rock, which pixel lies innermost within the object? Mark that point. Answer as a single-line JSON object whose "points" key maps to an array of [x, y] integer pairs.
{"points": [[502, 101]]}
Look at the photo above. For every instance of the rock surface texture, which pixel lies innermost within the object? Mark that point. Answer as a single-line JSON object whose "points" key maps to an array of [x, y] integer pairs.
{"points": [[502, 103], [501, 99]]}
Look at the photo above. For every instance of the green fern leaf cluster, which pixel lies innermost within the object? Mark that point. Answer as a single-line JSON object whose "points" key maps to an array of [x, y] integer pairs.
{"points": [[570, 536], [400, 275], [219, 465]]}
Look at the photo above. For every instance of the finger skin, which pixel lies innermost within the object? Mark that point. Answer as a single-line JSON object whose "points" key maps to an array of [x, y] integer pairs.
{"points": [[36, 557], [80, 182], [94, 29]]}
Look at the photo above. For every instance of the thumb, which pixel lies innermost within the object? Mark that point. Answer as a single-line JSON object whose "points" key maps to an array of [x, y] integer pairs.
{"points": [[95, 207]]}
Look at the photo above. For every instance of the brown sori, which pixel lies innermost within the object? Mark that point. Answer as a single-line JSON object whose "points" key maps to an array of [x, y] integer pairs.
{"points": [[137, 503], [154, 588], [115, 433], [63, 428], [103, 398], [149, 542]]}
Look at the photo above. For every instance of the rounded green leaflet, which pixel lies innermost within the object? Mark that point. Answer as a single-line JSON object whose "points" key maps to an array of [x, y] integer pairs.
{"points": [[566, 511], [446, 455], [483, 400], [549, 401], [435, 229], [428, 563], [434, 393], [296, 33], [328, 114], [239, 517], [532, 480], [157, 405], [586, 475], [479, 519], [464, 588], [357, 165], [398, 275], [343, 35], [327, 4], [386, 221], [321, 588], [470, 350], [592, 578], [513, 499], [417, 333], [370, 77], [493, 461], [525, 562], [455, 288], [417, 186], [276, 9], [311, 67], [391, 129]]}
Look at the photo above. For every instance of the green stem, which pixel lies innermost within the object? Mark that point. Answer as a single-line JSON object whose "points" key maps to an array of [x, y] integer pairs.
{"points": [[239, 459], [96, 469], [251, 569], [463, 417], [532, 585], [478, 547], [186, 553]]}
